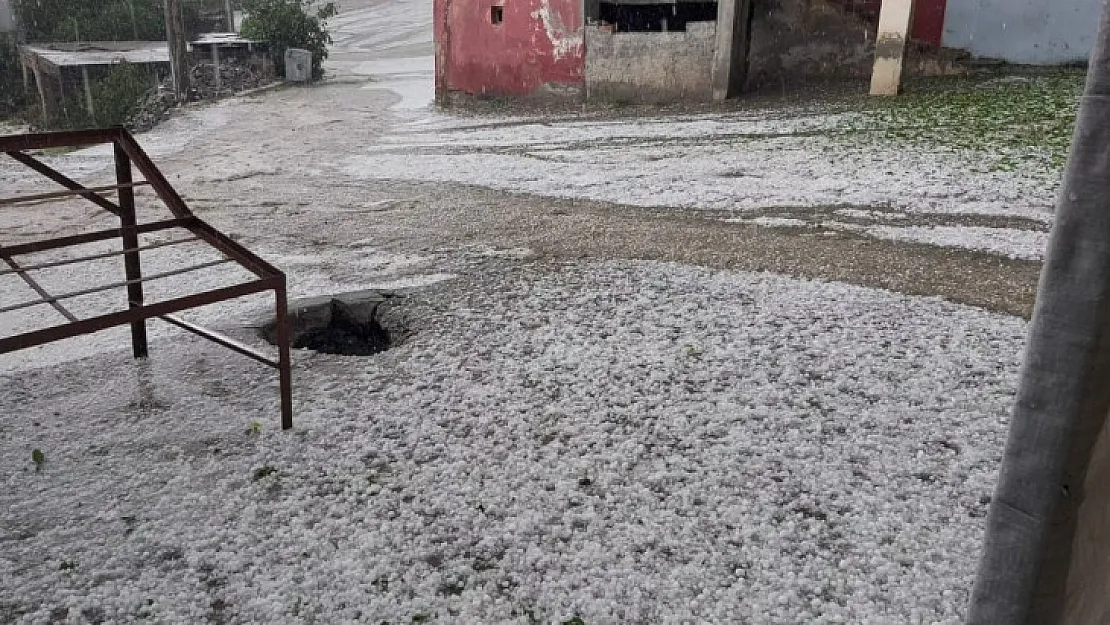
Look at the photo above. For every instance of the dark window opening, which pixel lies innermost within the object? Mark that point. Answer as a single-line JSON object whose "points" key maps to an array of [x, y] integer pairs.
{"points": [[655, 18], [496, 15]]}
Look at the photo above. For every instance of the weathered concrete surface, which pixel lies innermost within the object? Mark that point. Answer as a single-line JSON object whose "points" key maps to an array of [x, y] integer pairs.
{"points": [[730, 59], [1023, 31], [800, 40], [495, 48], [651, 67], [890, 46]]}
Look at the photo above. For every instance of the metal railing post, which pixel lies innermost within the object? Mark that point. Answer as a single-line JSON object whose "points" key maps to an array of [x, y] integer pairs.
{"points": [[131, 262], [285, 363]]}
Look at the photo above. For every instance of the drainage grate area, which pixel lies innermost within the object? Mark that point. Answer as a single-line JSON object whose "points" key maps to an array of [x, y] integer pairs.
{"points": [[345, 325]]}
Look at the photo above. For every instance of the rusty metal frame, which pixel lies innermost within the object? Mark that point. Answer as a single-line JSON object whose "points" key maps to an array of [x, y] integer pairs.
{"points": [[129, 156]]}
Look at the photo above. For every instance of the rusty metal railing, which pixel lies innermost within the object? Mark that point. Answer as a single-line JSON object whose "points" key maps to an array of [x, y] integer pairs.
{"points": [[129, 157]]}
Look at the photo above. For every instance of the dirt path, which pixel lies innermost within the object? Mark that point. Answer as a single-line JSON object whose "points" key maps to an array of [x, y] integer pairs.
{"points": [[273, 169]]}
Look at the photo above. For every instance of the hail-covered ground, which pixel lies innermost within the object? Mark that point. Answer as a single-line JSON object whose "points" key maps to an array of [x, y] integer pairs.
{"points": [[568, 430], [611, 441], [972, 164]]}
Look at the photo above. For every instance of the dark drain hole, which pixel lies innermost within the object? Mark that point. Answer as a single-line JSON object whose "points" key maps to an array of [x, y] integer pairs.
{"points": [[343, 328], [345, 337]]}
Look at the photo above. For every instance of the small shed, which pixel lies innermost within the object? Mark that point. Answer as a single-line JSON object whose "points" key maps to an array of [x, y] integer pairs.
{"points": [[220, 47], [60, 69], [223, 45]]}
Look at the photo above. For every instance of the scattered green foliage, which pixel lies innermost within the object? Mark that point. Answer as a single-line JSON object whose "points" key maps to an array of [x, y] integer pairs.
{"points": [[291, 24], [1001, 124], [255, 428], [67, 565], [38, 458], [421, 618]]}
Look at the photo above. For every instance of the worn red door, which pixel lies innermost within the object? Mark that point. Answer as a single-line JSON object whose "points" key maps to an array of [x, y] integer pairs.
{"points": [[928, 21], [928, 17]]}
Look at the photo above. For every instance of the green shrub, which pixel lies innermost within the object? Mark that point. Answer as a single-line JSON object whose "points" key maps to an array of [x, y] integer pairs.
{"points": [[116, 97], [12, 97], [120, 93], [290, 24]]}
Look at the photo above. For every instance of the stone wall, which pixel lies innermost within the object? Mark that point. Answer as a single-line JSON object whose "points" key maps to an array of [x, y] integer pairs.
{"points": [[650, 67]]}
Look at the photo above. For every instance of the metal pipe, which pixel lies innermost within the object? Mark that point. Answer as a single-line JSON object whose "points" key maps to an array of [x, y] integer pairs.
{"points": [[92, 237], [220, 339], [15, 268], [50, 173], [115, 285], [54, 195], [96, 324], [91, 257]]}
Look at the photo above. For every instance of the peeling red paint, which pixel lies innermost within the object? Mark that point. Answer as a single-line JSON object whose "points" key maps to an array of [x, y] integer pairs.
{"points": [[537, 43]]}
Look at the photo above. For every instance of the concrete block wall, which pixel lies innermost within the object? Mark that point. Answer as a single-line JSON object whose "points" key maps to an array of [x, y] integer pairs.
{"points": [[650, 67]]}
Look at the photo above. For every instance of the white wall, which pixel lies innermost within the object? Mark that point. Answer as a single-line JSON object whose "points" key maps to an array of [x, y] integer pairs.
{"points": [[7, 23], [1023, 31]]}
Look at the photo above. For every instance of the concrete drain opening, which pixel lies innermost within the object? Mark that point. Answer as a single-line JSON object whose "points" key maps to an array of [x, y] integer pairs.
{"points": [[344, 325]]}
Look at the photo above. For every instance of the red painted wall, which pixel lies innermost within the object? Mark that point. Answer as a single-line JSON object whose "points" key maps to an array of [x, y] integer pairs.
{"points": [[538, 43], [928, 17], [928, 21]]}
